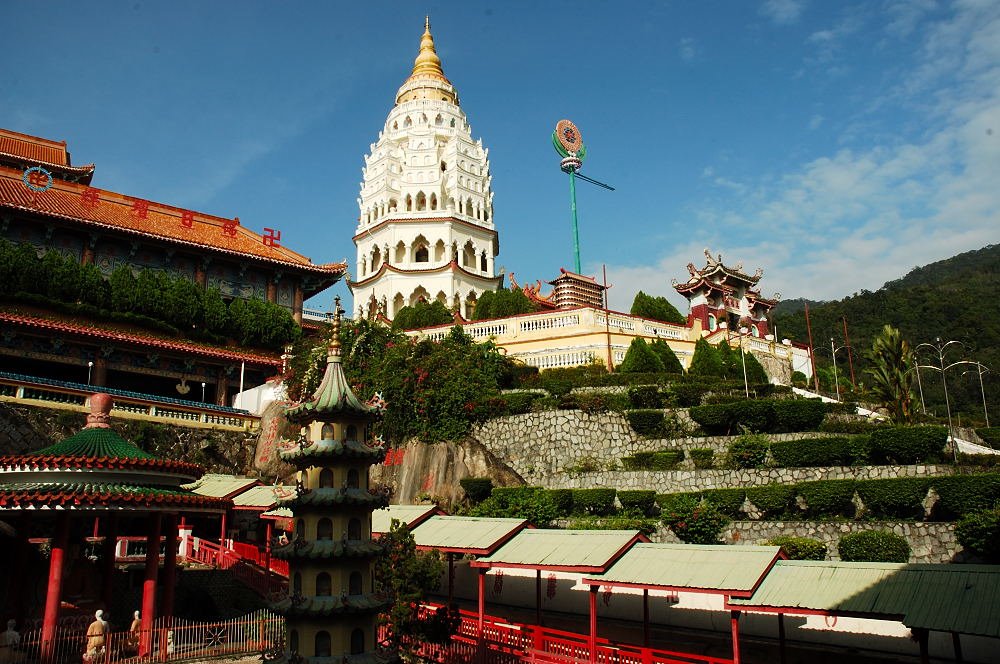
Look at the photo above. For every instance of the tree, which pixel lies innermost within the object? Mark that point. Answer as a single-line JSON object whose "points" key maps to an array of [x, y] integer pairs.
{"points": [[124, 290], [420, 315], [731, 366], [755, 370], [640, 358], [501, 304], [656, 308], [666, 354], [891, 372], [706, 361], [405, 577]]}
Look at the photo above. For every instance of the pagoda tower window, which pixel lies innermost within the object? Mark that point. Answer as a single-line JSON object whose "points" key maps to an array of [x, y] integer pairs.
{"points": [[444, 167], [434, 202], [323, 586], [482, 262], [438, 120], [409, 203], [453, 123], [355, 583], [324, 529], [400, 253], [439, 251], [468, 255], [326, 479], [354, 529], [712, 323], [297, 583], [407, 122], [357, 641], [293, 640], [352, 432], [327, 433], [393, 205], [421, 202], [376, 258], [300, 528], [322, 644], [353, 479]]}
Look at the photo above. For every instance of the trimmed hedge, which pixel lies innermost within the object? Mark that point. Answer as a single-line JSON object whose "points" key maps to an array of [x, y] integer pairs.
{"points": [[979, 532], [961, 494], [646, 423], [874, 546], [596, 502], [748, 451], [828, 497], [908, 445], [662, 460], [703, 457], [637, 501], [990, 436], [759, 416], [900, 498], [800, 548], [645, 396], [772, 498], [477, 489], [562, 499], [818, 452], [518, 403]]}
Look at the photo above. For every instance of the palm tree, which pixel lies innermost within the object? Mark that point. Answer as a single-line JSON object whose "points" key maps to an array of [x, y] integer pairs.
{"points": [[891, 372]]}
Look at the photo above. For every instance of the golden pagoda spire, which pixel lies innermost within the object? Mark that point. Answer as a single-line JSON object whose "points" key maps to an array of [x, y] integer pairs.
{"points": [[427, 62]]}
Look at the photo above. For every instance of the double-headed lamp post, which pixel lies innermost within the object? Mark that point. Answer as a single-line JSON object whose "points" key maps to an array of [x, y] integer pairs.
{"points": [[743, 359], [834, 349], [981, 369], [90, 368], [941, 348]]}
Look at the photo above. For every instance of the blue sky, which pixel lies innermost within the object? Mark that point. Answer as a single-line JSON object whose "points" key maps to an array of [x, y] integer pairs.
{"points": [[835, 144]]}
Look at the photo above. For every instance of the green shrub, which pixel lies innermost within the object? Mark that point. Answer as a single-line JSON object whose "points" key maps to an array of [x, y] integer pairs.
{"points": [[616, 522], [656, 308], [661, 460], [773, 499], [637, 502], [748, 451], [800, 548], [875, 546], [596, 502], [531, 503], [727, 501], [477, 489], [519, 402], [813, 452], [900, 498], [706, 360], [694, 521], [990, 436], [908, 445], [645, 396], [799, 379], [850, 426], [666, 354], [686, 396], [562, 500], [961, 494], [703, 457], [827, 497], [979, 460], [557, 387], [798, 415], [646, 423], [568, 402], [640, 358], [592, 402], [979, 532], [585, 464], [841, 408]]}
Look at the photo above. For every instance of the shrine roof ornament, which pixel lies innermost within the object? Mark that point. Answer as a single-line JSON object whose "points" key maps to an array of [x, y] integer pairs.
{"points": [[427, 80]]}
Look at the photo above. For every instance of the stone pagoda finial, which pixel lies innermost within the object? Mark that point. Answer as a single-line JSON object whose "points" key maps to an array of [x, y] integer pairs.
{"points": [[427, 62], [333, 354], [100, 411]]}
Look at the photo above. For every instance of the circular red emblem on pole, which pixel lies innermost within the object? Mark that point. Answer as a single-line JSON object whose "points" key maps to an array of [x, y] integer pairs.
{"points": [[569, 136]]}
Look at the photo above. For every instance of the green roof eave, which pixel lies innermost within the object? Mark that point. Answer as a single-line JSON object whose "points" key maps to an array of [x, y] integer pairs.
{"points": [[95, 442]]}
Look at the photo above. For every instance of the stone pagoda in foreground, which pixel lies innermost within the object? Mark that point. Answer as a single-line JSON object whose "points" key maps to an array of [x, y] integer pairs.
{"points": [[332, 606]]}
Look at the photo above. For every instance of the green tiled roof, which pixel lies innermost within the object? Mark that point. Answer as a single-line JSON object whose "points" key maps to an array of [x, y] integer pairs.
{"points": [[84, 495], [407, 514], [328, 606], [467, 534], [321, 449], [95, 442], [330, 497], [569, 550], [322, 549], [333, 396]]}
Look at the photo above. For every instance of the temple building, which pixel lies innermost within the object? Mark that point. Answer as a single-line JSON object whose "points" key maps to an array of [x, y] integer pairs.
{"points": [[51, 205], [721, 296], [332, 606], [425, 229]]}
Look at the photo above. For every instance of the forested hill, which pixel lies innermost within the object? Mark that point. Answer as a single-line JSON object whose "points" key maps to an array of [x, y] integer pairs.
{"points": [[957, 298]]}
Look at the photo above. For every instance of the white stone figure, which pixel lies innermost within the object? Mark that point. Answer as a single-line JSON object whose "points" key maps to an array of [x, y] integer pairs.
{"points": [[9, 640]]}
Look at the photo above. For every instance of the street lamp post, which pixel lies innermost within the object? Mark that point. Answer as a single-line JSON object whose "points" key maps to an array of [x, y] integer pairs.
{"points": [[203, 392], [743, 359], [834, 349], [981, 369], [90, 368], [942, 349]]}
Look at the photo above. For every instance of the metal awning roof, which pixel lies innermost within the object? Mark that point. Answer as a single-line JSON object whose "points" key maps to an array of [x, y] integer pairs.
{"points": [[944, 597], [729, 570], [221, 486], [579, 551], [411, 515], [466, 534], [256, 498]]}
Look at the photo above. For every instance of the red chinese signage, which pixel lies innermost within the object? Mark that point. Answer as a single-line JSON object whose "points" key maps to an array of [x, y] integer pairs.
{"points": [[229, 227], [187, 219], [90, 197], [140, 208]]}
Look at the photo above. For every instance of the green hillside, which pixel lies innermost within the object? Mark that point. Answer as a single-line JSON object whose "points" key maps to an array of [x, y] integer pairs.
{"points": [[956, 298]]}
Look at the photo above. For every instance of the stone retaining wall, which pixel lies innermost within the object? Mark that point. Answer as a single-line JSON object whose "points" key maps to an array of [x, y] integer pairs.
{"points": [[676, 481]]}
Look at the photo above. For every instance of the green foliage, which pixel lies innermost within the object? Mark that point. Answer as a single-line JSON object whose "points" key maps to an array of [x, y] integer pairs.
{"points": [[646, 423], [891, 362], [502, 304], [799, 379], [979, 532], [256, 321], [637, 502], [908, 445], [596, 502], [759, 415], [991, 436], [656, 308], [707, 361], [748, 451], [477, 489], [640, 358], [662, 460], [585, 464], [900, 498], [517, 403], [562, 500], [773, 499], [817, 452], [703, 457], [617, 522], [688, 395], [827, 497], [645, 396], [798, 415], [666, 354], [406, 576], [531, 503], [755, 370], [420, 315], [875, 546], [960, 494], [694, 521], [800, 548]]}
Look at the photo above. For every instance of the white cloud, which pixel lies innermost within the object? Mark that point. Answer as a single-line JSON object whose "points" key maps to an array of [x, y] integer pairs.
{"points": [[815, 121], [782, 12], [686, 49], [857, 218]]}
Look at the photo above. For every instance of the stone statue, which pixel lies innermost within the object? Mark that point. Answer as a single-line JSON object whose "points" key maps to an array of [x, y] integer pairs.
{"points": [[96, 634], [8, 641], [133, 631]]}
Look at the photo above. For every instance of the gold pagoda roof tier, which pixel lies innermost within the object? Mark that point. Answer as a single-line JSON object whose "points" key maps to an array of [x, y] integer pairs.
{"points": [[427, 80]]}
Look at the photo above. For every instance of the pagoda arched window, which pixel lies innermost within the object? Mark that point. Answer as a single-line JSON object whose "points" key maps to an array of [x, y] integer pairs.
{"points": [[353, 479], [421, 255], [393, 204], [357, 641], [434, 201], [421, 202], [395, 126], [712, 323], [297, 583], [398, 302], [326, 433], [376, 258], [482, 262], [323, 586], [355, 584], [322, 644], [438, 120], [354, 529], [326, 479], [453, 122], [442, 298], [444, 167], [407, 122], [755, 331], [352, 432], [300, 528], [469, 255], [324, 529], [293, 640], [409, 203], [400, 253]]}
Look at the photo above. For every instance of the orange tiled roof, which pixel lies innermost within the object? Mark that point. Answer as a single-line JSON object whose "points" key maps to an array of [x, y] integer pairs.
{"points": [[33, 147], [108, 209]]}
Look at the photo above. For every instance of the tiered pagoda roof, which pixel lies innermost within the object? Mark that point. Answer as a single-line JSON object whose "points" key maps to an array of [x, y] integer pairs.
{"points": [[97, 469], [21, 151]]}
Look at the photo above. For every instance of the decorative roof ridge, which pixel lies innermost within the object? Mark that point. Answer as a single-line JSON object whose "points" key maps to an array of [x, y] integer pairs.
{"points": [[37, 461], [85, 169]]}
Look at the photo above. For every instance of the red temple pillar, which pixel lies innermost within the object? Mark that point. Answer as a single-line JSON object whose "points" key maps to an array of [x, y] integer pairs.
{"points": [[451, 578], [169, 566], [297, 305], [50, 618], [108, 552], [149, 585], [99, 376], [645, 617], [272, 291], [593, 623], [268, 536], [538, 597], [482, 601], [222, 530], [736, 636]]}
